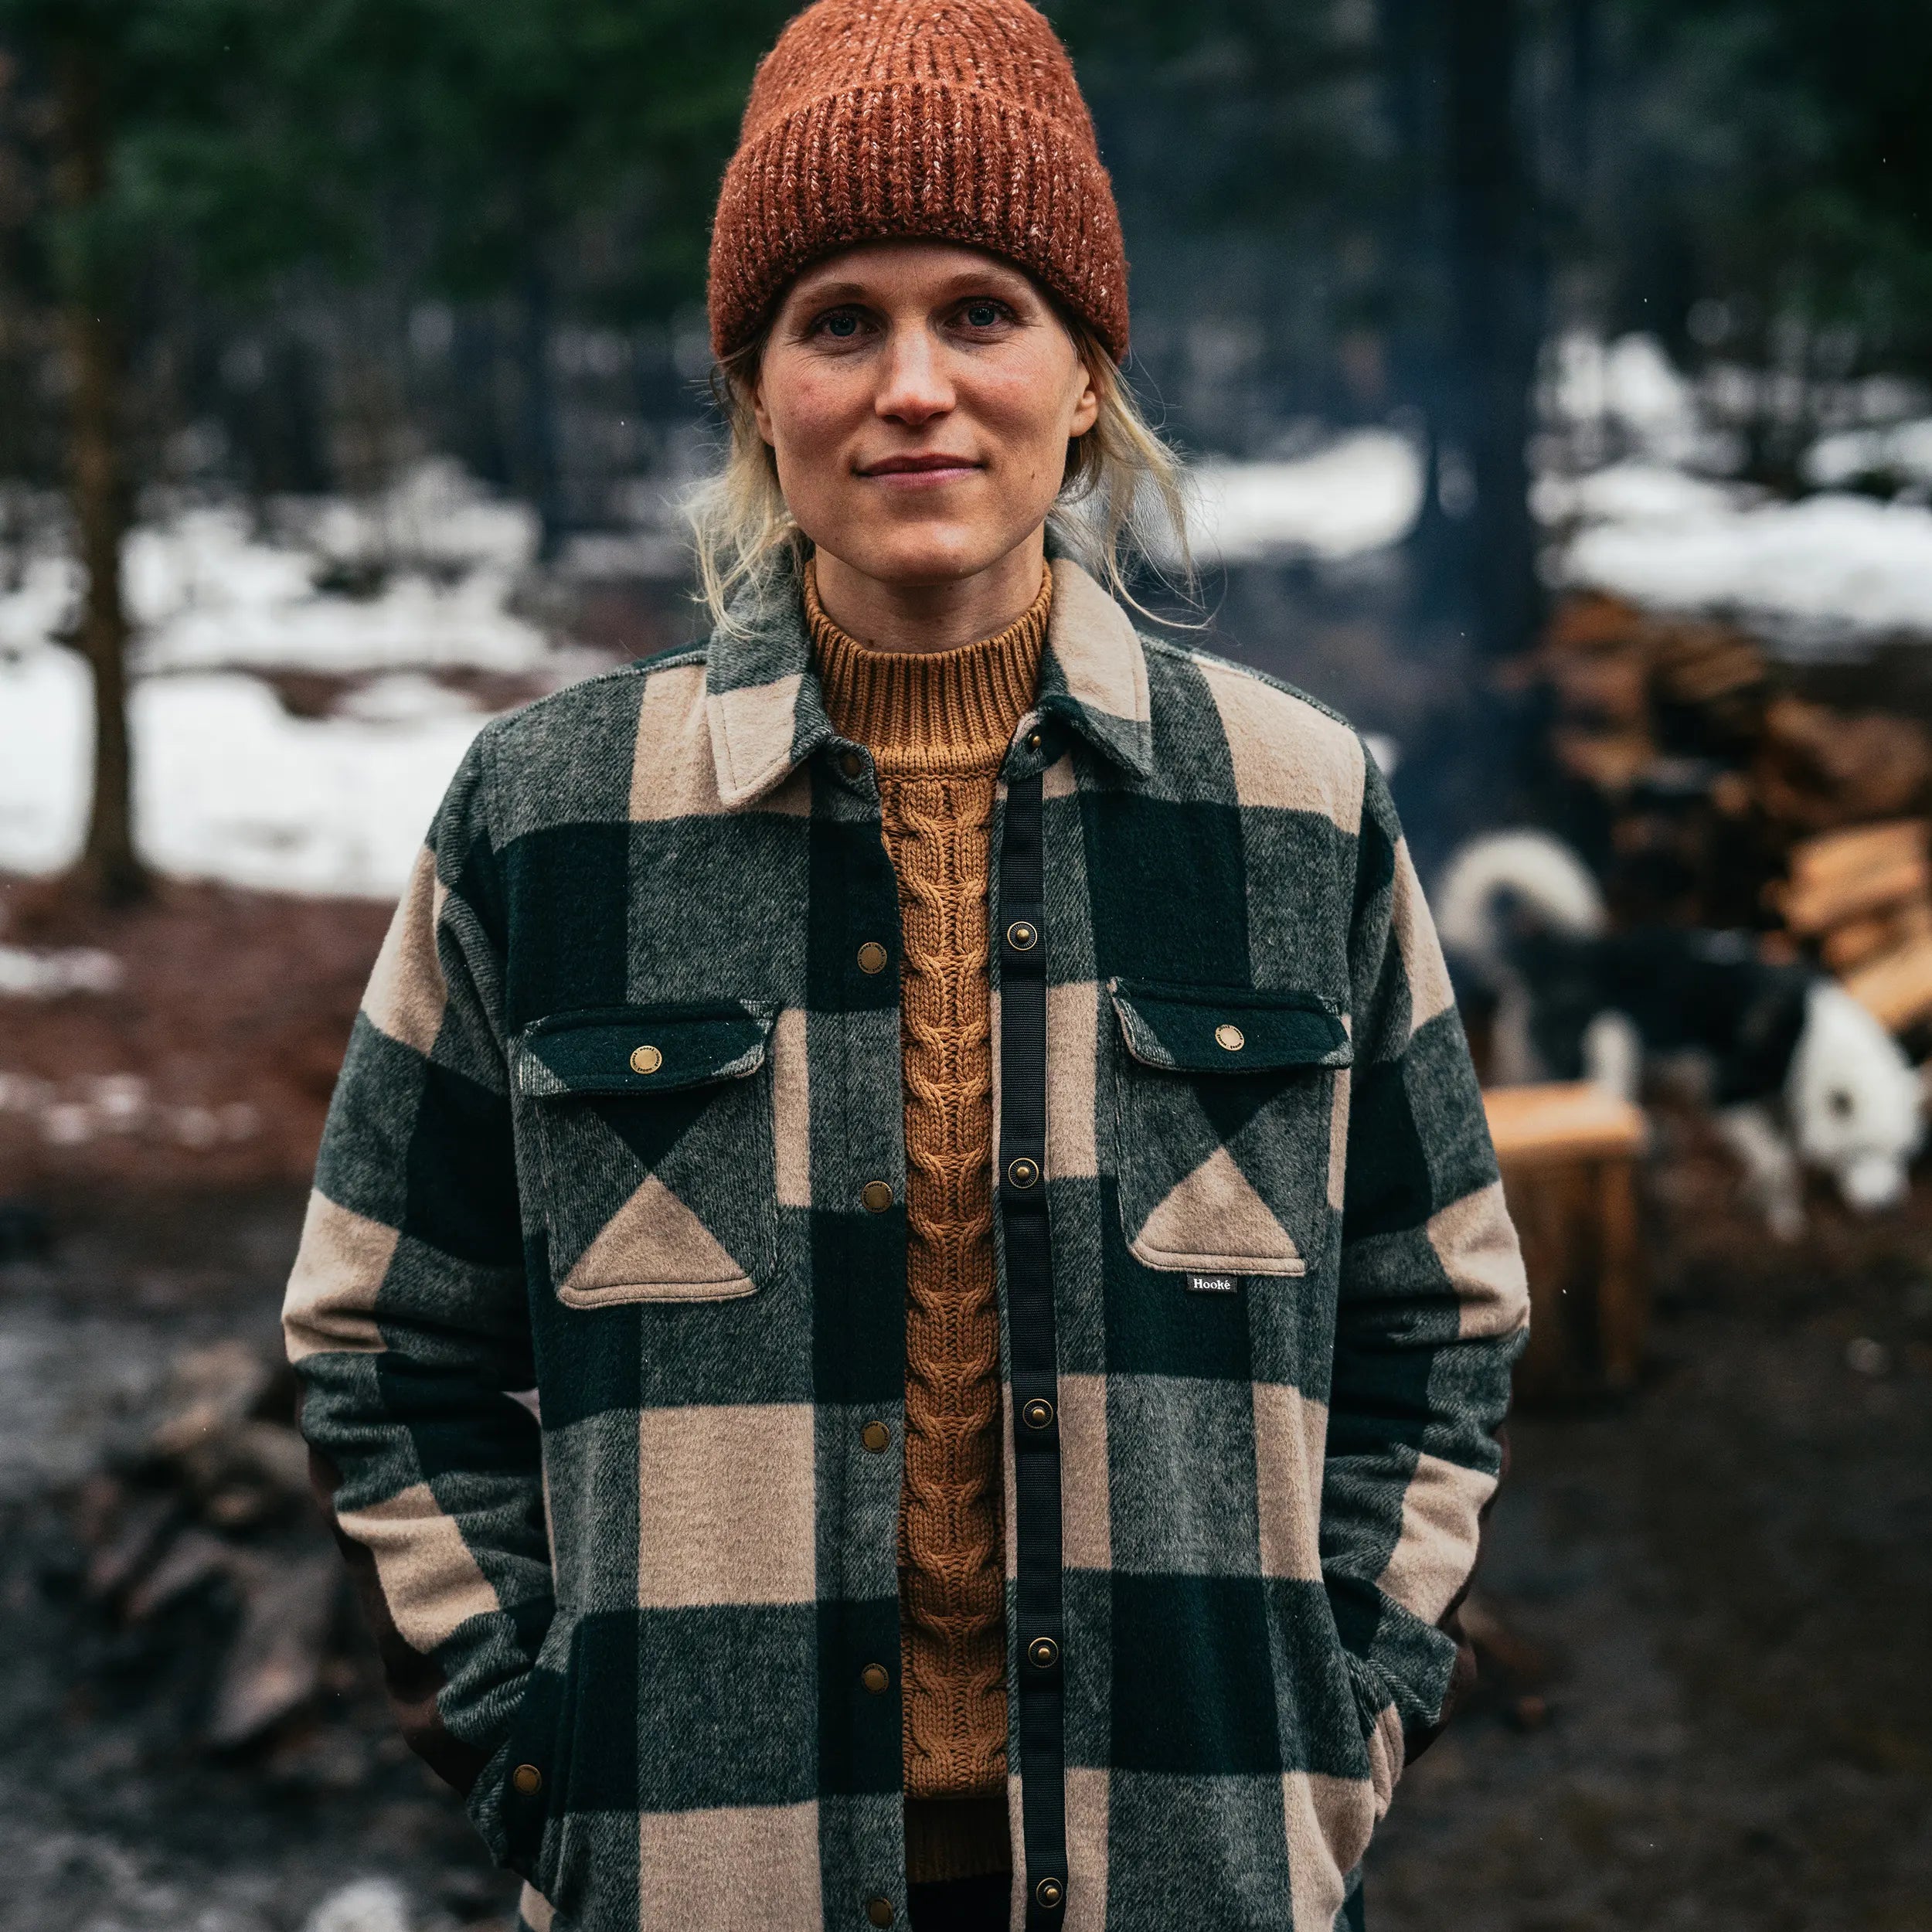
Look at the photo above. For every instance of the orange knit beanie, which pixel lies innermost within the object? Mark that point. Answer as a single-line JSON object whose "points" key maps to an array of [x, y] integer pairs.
{"points": [[956, 120]]}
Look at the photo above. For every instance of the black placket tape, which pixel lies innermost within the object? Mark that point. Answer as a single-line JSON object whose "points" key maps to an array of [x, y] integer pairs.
{"points": [[1029, 1291]]}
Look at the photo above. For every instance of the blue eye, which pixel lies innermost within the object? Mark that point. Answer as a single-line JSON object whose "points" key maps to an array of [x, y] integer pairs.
{"points": [[982, 314], [841, 326]]}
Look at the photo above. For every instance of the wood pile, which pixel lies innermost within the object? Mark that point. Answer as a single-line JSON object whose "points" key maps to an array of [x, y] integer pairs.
{"points": [[209, 1514], [1713, 791], [1863, 897]]}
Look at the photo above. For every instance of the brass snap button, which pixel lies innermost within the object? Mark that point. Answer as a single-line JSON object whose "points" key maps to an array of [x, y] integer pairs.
{"points": [[875, 1678], [1022, 1172], [527, 1779], [1049, 1892], [1032, 741], [879, 1911], [872, 957], [1022, 936], [1038, 1414], [875, 1435], [877, 1196], [1042, 1653], [851, 764], [646, 1059], [1231, 1038]]}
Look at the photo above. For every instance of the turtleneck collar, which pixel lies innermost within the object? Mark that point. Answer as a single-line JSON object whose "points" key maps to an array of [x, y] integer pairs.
{"points": [[930, 711]]}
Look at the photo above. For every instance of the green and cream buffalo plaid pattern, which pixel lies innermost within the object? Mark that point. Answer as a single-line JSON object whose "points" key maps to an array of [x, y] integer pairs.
{"points": [[621, 1124]]}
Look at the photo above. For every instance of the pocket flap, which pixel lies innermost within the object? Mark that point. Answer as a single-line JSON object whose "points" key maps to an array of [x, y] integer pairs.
{"points": [[1228, 1029], [643, 1050]]}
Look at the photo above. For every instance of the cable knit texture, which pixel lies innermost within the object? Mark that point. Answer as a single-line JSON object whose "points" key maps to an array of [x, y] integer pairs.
{"points": [[938, 726], [954, 120]]}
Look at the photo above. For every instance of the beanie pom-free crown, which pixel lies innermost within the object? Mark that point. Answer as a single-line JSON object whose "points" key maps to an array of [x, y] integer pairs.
{"points": [[943, 120]]}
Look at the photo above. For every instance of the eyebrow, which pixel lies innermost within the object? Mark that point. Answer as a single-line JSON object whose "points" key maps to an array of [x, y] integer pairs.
{"points": [[965, 281]]}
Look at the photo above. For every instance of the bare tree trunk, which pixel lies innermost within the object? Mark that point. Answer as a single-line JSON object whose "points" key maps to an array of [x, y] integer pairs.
{"points": [[1497, 284], [545, 480], [110, 868]]}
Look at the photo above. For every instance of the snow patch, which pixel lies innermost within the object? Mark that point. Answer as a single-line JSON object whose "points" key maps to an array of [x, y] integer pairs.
{"points": [[27, 973], [1630, 386], [1901, 452], [227, 785], [427, 572], [1362, 493], [1827, 572]]}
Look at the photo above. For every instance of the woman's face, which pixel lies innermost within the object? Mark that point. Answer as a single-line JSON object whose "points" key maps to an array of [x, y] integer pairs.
{"points": [[920, 397]]}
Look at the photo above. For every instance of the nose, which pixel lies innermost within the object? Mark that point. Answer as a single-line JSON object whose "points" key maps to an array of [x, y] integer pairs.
{"points": [[913, 385]]}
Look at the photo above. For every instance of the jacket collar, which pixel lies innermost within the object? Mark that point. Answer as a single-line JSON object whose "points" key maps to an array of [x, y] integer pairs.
{"points": [[767, 714]]}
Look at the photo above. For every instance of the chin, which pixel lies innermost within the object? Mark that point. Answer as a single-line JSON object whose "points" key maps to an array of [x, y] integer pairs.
{"points": [[922, 557]]}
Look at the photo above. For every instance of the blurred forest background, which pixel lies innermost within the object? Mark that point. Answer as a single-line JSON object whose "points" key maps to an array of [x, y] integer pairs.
{"points": [[1557, 376], [261, 253]]}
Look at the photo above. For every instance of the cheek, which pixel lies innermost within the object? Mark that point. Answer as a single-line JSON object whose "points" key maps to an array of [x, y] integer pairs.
{"points": [[811, 413], [1027, 410]]}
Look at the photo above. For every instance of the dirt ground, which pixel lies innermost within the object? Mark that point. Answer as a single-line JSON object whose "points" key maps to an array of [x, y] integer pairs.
{"points": [[1731, 1573], [1708, 1709], [114, 1817]]}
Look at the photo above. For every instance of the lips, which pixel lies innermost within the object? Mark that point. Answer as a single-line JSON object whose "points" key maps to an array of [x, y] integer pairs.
{"points": [[933, 464]]}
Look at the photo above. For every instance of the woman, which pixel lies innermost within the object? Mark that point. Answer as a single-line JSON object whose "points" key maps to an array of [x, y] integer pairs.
{"points": [[955, 1108]]}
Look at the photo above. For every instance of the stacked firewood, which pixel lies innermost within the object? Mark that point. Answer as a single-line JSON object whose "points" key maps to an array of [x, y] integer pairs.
{"points": [[1864, 895], [1716, 791], [208, 1512]]}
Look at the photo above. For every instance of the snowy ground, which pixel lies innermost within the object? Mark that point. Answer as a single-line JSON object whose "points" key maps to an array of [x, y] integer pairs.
{"points": [[230, 783], [407, 604]]}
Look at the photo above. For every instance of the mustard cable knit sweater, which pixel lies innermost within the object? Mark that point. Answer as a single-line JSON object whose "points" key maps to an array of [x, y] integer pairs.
{"points": [[938, 726]]}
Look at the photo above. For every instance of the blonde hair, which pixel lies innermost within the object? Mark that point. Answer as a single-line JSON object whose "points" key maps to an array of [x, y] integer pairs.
{"points": [[1122, 505]]}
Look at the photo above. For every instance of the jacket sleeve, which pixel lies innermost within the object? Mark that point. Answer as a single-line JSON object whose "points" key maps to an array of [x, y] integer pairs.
{"points": [[406, 1318], [1432, 1311]]}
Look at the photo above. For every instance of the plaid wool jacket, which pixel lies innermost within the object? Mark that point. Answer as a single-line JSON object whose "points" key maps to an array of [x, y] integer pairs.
{"points": [[621, 1123]]}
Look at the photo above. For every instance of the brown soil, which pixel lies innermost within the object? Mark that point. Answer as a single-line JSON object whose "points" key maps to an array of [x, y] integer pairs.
{"points": [[1728, 1573], [233, 1014]]}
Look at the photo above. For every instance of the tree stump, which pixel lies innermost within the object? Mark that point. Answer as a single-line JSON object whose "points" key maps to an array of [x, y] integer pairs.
{"points": [[1569, 1155]]}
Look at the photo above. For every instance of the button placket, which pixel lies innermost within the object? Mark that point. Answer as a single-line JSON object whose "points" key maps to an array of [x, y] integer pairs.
{"points": [[1026, 1229]]}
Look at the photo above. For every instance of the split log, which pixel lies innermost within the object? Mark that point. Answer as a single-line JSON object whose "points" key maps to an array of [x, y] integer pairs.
{"points": [[134, 1536], [1816, 768], [1896, 988], [1704, 664], [220, 1496], [274, 1665], [1843, 876], [194, 1558], [1851, 945], [1612, 761]]}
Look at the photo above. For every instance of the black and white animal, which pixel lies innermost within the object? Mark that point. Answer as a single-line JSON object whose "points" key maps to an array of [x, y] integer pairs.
{"points": [[1797, 1072]]}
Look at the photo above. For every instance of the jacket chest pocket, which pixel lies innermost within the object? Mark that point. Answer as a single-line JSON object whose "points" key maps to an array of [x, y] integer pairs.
{"points": [[1227, 1126], [654, 1131]]}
